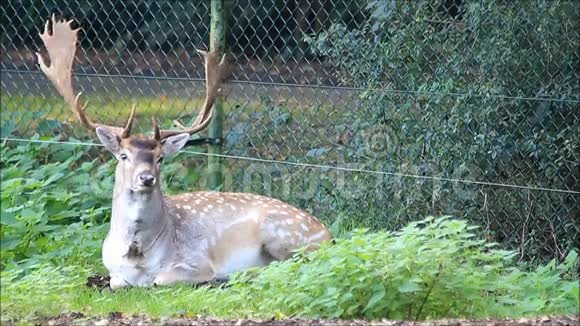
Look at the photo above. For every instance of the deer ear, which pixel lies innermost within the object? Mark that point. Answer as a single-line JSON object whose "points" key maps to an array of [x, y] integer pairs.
{"points": [[173, 144], [109, 139]]}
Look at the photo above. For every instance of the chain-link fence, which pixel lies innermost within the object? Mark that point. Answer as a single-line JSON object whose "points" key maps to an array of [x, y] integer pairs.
{"points": [[363, 112]]}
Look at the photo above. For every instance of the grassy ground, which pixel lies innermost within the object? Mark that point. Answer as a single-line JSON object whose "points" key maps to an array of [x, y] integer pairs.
{"points": [[33, 112], [52, 291]]}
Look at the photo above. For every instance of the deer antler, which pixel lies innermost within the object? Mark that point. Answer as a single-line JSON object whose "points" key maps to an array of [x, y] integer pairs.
{"points": [[215, 73], [61, 48]]}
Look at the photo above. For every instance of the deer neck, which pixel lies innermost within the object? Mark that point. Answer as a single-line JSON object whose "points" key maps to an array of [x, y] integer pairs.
{"points": [[139, 219]]}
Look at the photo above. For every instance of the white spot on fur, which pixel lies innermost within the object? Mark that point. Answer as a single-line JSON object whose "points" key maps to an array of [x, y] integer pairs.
{"points": [[317, 236], [304, 227]]}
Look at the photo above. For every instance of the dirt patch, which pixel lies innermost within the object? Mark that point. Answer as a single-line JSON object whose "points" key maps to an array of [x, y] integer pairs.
{"points": [[120, 319]]}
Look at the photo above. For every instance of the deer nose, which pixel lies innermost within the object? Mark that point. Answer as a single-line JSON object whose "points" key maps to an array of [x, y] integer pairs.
{"points": [[147, 179]]}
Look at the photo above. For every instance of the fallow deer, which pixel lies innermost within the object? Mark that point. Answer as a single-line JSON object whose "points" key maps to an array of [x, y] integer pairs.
{"points": [[194, 237]]}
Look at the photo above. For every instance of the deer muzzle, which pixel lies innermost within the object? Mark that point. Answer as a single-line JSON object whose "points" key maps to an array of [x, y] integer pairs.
{"points": [[145, 180]]}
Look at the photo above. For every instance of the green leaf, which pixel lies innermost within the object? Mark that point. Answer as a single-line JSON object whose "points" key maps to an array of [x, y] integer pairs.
{"points": [[378, 294], [408, 287]]}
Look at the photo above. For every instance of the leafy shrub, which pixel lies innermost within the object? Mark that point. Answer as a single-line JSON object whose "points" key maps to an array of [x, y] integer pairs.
{"points": [[429, 269], [50, 208], [465, 97]]}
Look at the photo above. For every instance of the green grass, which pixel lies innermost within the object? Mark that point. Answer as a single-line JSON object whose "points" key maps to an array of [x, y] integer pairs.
{"points": [[31, 111], [49, 290]]}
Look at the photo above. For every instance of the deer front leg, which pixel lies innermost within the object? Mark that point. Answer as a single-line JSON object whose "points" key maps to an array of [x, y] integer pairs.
{"points": [[117, 282], [200, 272]]}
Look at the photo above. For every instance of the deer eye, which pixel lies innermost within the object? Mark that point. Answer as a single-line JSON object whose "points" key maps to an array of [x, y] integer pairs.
{"points": [[123, 156]]}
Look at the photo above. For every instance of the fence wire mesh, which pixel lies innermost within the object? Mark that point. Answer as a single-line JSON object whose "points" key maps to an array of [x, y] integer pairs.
{"points": [[451, 89]]}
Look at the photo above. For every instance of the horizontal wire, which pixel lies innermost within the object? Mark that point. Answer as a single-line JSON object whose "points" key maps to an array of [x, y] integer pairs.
{"points": [[322, 166], [294, 85]]}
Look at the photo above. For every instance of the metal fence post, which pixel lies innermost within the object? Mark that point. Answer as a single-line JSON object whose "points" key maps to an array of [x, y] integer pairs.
{"points": [[215, 130]]}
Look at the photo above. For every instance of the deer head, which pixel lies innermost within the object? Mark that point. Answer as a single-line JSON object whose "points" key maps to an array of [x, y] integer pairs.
{"points": [[139, 156]]}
